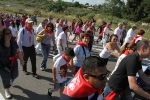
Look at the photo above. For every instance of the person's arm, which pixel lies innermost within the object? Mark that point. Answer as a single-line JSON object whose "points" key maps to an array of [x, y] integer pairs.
{"points": [[19, 40], [54, 75], [109, 47], [20, 56], [133, 86], [41, 34], [53, 38], [60, 43], [71, 67], [144, 77]]}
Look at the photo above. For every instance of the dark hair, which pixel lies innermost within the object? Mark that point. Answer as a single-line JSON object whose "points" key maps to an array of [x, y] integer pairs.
{"points": [[141, 43], [13, 24], [112, 37], [85, 35], [65, 28], [141, 32], [2, 21], [2, 36], [69, 52], [50, 24], [127, 45], [91, 63]]}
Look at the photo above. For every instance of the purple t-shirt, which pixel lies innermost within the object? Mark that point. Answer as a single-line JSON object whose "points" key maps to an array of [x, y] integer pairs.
{"points": [[7, 23]]}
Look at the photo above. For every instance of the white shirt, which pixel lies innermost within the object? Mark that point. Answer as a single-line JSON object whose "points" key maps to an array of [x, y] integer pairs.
{"points": [[139, 38], [106, 33], [60, 64], [58, 30], [50, 21], [39, 28], [118, 32], [118, 62], [130, 34], [63, 37], [13, 31]]}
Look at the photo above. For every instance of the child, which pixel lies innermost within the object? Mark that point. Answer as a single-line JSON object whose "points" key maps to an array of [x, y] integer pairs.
{"points": [[60, 70]]}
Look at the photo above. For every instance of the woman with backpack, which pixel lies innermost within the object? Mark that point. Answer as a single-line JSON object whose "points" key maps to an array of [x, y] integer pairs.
{"points": [[81, 51]]}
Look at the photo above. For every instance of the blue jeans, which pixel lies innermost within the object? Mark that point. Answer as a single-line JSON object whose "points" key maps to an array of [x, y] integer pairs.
{"points": [[125, 96], [45, 48]]}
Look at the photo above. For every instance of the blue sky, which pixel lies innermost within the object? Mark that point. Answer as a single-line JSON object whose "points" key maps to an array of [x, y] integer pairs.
{"points": [[91, 2]]}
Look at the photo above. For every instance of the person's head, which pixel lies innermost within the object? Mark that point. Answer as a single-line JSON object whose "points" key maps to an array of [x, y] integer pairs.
{"points": [[29, 22], [124, 27], [5, 35], [50, 27], [141, 32], [1, 21], [120, 25], [108, 24], [57, 20], [44, 23], [74, 20], [65, 21], [12, 24], [69, 53], [50, 17], [143, 48], [85, 38], [94, 71], [134, 27], [61, 21], [113, 38], [7, 18], [65, 29], [131, 47], [80, 24]]}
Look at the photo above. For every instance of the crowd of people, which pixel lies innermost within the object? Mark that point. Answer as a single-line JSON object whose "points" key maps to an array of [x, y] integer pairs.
{"points": [[89, 72]]}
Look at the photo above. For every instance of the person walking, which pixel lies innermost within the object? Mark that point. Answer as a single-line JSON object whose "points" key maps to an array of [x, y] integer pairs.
{"points": [[8, 69], [25, 42], [47, 34]]}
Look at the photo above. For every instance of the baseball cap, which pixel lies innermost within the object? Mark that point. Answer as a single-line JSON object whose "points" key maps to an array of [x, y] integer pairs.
{"points": [[29, 20]]}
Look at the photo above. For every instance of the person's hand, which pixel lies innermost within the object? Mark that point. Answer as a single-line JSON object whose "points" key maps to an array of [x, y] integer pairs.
{"points": [[22, 53], [55, 80], [62, 49], [60, 72]]}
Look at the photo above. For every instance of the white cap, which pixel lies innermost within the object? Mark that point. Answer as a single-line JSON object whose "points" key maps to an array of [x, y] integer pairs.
{"points": [[29, 20]]}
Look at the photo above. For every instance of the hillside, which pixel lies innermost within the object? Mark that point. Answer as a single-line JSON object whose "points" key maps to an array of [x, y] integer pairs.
{"points": [[61, 9]]}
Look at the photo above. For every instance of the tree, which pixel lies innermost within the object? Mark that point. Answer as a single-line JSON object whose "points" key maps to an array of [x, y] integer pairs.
{"points": [[133, 10], [87, 4], [77, 4]]}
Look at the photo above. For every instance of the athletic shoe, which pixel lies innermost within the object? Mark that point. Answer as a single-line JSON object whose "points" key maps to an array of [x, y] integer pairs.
{"points": [[49, 93], [7, 94]]}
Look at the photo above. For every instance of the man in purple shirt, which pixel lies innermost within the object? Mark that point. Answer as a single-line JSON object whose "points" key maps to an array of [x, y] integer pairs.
{"points": [[7, 21]]}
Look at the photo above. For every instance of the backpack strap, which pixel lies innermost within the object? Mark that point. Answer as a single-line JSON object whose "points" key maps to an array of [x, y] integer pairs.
{"points": [[84, 51]]}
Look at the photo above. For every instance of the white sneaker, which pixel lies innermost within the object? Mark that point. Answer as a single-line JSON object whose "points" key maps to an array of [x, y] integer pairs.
{"points": [[7, 94], [42, 69]]}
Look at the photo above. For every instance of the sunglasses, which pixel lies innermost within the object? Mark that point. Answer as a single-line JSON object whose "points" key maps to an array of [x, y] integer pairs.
{"points": [[133, 49], [8, 33], [100, 77], [115, 39], [49, 26]]}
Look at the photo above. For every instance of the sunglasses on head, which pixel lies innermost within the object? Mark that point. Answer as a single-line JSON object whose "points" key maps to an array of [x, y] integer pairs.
{"points": [[101, 76]]}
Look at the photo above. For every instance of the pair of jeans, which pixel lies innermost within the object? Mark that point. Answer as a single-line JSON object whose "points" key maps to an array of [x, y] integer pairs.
{"points": [[125, 96], [45, 48], [5, 78]]}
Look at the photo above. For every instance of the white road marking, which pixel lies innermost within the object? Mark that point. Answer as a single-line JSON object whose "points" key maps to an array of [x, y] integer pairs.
{"points": [[1, 97]]}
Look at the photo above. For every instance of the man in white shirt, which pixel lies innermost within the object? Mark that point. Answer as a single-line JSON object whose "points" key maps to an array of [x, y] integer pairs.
{"points": [[118, 32], [106, 34], [38, 29], [130, 34]]}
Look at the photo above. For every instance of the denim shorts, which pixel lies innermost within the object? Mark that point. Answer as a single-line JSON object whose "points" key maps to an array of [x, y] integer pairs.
{"points": [[58, 85]]}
